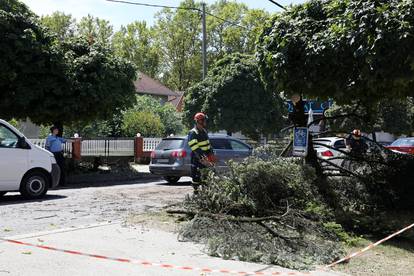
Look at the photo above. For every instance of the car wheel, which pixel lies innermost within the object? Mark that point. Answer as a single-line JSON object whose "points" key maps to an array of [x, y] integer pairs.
{"points": [[2, 193], [172, 179], [34, 185]]}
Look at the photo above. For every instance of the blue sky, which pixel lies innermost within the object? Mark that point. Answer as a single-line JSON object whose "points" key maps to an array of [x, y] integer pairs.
{"points": [[121, 14]]}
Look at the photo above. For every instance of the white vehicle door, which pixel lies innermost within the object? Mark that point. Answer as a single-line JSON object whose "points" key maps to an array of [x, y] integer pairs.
{"points": [[13, 160]]}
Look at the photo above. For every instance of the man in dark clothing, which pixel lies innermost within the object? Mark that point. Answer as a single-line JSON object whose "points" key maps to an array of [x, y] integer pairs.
{"points": [[355, 143], [201, 152]]}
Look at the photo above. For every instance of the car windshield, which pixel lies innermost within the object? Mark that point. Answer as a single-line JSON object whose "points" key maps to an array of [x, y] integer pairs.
{"points": [[403, 142], [170, 144]]}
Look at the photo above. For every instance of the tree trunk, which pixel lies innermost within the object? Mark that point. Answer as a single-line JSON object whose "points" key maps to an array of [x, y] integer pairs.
{"points": [[299, 120], [374, 136]]}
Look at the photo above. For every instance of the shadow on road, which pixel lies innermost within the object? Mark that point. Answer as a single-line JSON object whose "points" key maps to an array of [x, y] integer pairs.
{"points": [[18, 199], [179, 184], [108, 182]]}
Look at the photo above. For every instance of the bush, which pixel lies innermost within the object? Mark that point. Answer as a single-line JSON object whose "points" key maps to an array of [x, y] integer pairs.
{"points": [[148, 124], [257, 187], [169, 117]]}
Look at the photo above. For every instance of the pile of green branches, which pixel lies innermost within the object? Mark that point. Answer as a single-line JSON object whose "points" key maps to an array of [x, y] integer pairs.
{"points": [[263, 210], [371, 187], [270, 209]]}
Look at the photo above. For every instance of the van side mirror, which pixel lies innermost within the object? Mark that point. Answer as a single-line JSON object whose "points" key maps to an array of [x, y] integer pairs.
{"points": [[22, 143]]}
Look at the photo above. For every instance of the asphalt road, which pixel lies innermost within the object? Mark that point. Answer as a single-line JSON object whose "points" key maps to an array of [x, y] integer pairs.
{"points": [[73, 207], [91, 220]]}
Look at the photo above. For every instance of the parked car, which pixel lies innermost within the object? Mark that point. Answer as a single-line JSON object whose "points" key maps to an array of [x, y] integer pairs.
{"points": [[403, 145], [172, 157], [325, 149], [25, 167]]}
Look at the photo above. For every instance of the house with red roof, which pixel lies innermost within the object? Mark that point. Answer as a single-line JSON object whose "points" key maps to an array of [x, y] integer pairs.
{"points": [[145, 85]]}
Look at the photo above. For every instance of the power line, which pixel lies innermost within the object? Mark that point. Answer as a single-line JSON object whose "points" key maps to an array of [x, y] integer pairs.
{"points": [[277, 4], [224, 20], [153, 5], [178, 8]]}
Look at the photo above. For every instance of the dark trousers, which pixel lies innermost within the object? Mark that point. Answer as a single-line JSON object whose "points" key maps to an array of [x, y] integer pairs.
{"points": [[196, 168], [60, 160]]}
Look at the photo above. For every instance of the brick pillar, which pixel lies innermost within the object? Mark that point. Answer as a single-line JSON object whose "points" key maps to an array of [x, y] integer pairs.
{"points": [[76, 148], [139, 148]]}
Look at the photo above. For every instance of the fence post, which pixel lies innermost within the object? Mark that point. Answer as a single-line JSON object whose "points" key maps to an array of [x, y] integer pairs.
{"points": [[76, 148], [138, 148]]}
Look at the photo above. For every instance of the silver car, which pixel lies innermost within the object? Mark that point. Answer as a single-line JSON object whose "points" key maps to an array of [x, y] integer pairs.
{"points": [[326, 150], [172, 157]]}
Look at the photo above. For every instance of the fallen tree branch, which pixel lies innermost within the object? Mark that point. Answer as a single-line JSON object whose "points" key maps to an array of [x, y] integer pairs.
{"points": [[348, 156], [339, 167], [286, 149], [227, 217], [272, 232]]}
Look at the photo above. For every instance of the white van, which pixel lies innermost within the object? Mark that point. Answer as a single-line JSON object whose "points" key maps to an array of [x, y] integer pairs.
{"points": [[25, 167]]}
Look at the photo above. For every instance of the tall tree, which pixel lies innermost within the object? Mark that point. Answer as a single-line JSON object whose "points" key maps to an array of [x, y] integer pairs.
{"points": [[31, 67], [136, 42], [95, 30], [100, 83], [253, 21], [235, 99], [178, 35], [61, 24], [238, 33], [57, 82], [348, 50]]}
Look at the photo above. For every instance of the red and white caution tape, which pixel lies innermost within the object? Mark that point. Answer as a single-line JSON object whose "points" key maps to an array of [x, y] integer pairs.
{"points": [[161, 265], [370, 246], [207, 270]]}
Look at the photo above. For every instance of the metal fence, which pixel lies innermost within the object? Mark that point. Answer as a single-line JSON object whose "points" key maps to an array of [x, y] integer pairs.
{"points": [[126, 146], [151, 143], [106, 146]]}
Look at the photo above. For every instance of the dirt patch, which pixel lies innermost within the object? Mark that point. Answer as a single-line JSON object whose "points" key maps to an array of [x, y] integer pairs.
{"points": [[154, 220]]}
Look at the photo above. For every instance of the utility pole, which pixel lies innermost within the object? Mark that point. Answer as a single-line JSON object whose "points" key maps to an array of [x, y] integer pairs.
{"points": [[204, 44]]}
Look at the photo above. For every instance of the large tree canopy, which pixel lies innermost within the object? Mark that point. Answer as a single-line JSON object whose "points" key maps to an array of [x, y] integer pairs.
{"points": [[393, 116], [61, 24], [100, 83], [70, 81], [31, 68], [136, 42], [178, 34], [170, 49], [348, 50], [235, 99]]}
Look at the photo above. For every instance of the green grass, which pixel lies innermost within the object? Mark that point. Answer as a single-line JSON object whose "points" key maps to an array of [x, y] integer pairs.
{"points": [[395, 257]]}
